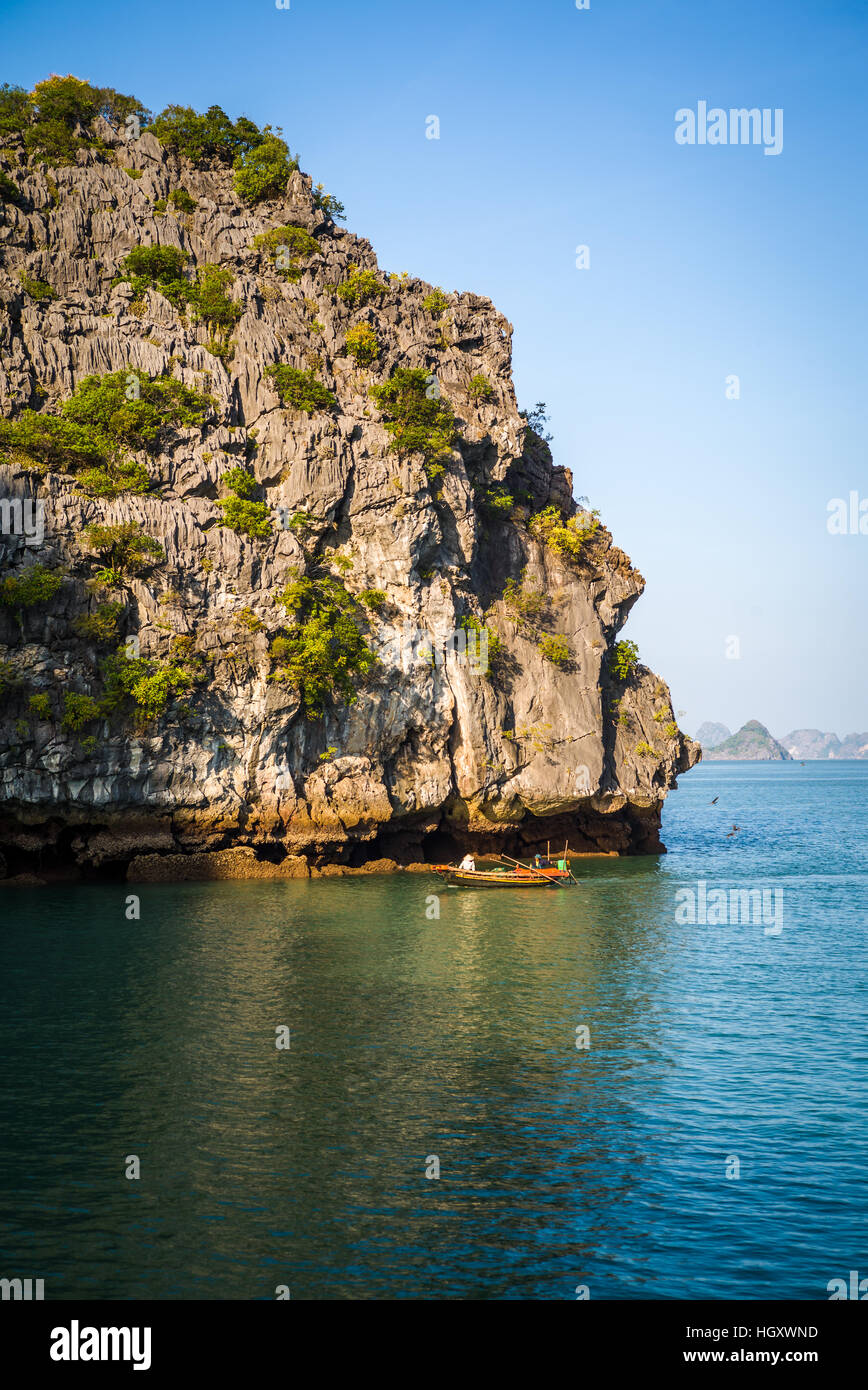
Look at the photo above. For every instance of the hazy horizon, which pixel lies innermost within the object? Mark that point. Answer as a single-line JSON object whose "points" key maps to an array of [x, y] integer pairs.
{"points": [[694, 726]]}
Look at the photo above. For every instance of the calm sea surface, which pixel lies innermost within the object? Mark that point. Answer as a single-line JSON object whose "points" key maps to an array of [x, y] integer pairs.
{"points": [[413, 1037]]}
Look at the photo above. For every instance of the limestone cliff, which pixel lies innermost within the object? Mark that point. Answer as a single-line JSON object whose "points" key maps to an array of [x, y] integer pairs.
{"points": [[433, 754]]}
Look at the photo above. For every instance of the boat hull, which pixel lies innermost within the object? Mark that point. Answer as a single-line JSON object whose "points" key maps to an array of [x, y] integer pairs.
{"points": [[499, 878]]}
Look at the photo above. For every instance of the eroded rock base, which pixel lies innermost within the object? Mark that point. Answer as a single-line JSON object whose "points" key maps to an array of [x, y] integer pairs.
{"points": [[56, 851]]}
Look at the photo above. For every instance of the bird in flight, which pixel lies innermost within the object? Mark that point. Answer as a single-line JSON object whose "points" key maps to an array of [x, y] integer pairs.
{"points": [[716, 799]]}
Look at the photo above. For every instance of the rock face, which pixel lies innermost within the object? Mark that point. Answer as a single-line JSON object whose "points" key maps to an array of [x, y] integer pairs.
{"points": [[709, 735], [432, 756], [752, 743]]}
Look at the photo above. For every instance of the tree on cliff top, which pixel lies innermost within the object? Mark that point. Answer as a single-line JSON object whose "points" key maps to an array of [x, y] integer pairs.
{"points": [[263, 172], [207, 136], [56, 117], [261, 158]]}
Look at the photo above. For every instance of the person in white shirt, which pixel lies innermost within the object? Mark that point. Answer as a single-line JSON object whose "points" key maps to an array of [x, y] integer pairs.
{"points": [[468, 862]]}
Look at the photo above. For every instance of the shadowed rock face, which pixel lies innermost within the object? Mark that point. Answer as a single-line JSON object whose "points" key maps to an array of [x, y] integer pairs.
{"points": [[431, 758]]}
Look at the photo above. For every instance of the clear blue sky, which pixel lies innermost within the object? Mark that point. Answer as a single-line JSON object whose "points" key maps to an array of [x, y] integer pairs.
{"points": [[557, 129]]}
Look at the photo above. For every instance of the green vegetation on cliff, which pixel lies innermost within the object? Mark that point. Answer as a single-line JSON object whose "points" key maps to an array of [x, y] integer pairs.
{"points": [[300, 390], [329, 206], [50, 443], [137, 410], [479, 388], [564, 535], [362, 345], [101, 626], [496, 503], [260, 159], [240, 512], [36, 584], [623, 659], [324, 654], [264, 171], [9, 191], [485, 644], [55, 118], [555, 649], [39, 290], [158, 268], [359, 288], [162, 268], [526, 603], [205, 137], [289, 246], [146, 686], [40, 706], [419, 420], [56, 121], [103, 416], [435, 303], [125, 549]]}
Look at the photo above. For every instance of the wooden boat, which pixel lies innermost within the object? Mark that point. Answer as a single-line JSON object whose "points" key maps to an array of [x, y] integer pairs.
{"points": [[519, 876]]}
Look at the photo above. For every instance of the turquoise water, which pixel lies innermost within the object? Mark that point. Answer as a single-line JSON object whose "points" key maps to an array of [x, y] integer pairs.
{"points": [[414, 1037]]}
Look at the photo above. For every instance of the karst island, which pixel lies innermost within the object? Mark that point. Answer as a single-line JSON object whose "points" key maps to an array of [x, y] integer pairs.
{"points": [[290, 584]]}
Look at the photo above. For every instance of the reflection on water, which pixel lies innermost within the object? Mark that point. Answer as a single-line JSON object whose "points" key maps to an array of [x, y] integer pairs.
{"points": [[454, 1037]]}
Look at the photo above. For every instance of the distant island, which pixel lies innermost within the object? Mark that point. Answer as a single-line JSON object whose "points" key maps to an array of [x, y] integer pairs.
{"points": [[710, 735], [754, 742], [811, 743]]}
